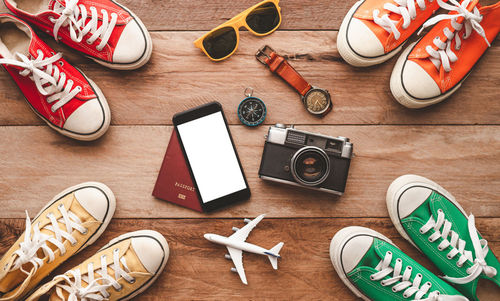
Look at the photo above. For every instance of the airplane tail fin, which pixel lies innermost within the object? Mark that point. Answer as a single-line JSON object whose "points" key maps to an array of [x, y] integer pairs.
{"points": [[274, 255]]}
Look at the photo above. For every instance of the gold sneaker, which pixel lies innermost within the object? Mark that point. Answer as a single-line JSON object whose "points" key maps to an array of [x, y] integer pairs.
{"points": [[74, 219], [121, 270]]}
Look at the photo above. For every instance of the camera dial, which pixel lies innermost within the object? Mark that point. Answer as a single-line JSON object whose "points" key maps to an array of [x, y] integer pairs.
{"points": [[310, 166]]}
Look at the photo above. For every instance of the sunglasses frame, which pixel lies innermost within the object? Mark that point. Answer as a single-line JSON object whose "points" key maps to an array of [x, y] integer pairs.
{"points": [[236, 23]]}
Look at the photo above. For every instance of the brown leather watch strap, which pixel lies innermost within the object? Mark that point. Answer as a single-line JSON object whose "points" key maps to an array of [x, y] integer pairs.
{"points": [[279, 65]]}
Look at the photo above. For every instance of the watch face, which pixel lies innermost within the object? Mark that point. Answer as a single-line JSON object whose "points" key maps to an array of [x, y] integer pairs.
{"points": [[252, 111], [317, 101]]}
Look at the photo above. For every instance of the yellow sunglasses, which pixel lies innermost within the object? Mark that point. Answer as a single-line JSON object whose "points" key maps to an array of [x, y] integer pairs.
{"points": [[221, 42]]}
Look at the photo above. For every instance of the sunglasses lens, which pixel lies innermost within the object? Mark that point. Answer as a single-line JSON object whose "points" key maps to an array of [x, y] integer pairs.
{"points": [[264, 18], [220, 43]]}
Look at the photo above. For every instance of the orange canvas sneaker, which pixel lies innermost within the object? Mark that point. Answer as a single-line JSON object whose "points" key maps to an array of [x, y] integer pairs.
{"points": [[433, 68], [121, 270], [73, 220], [373, 31]]}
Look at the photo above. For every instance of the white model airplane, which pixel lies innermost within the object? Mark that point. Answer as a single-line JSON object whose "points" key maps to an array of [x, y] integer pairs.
{"points": [[235, 244]]}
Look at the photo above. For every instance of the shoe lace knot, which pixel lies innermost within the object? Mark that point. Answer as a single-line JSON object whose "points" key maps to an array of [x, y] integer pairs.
{"points": [[405, 8], [49, 80], [96, 287], [444, 55], [75, 16], [442, 229]]}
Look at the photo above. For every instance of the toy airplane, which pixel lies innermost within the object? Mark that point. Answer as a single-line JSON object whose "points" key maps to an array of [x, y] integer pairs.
{"points": [[236, 244]]}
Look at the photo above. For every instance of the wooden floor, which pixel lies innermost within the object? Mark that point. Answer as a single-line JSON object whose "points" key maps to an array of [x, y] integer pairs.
{"points": [[456, 143]]}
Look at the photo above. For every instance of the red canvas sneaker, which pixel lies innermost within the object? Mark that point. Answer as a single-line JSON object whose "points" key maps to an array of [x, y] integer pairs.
{"points": [[432, 69], [59, 93], [373, 31], [103, 30]]}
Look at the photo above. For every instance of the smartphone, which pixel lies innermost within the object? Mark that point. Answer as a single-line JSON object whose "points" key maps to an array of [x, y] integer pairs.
{"points": [[211, 156]]}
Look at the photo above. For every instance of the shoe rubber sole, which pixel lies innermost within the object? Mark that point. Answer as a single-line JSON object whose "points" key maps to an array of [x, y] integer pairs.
{"points": [[348, 54], [336, 245]]}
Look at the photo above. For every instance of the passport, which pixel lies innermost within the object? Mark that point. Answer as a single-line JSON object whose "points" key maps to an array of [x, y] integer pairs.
{"points": [[174, 183]]}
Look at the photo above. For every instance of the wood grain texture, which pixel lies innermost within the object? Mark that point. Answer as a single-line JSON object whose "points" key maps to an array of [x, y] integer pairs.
{"points": [[455, 143], [36, 164], [197, 269], [179, 76]]}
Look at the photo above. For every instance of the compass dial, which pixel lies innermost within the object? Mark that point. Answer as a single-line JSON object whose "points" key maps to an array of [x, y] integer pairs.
{"points": [[252, 111], [317, 101]]}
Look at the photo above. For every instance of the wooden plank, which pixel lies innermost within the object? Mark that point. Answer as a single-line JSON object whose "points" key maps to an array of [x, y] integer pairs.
{"points": [[205, 15], [36, 163], [180, 76], [197, 269]]}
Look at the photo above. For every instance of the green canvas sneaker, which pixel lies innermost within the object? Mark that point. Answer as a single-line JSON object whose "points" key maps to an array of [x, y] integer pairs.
{"points": [[431, 219], [375, 269]]}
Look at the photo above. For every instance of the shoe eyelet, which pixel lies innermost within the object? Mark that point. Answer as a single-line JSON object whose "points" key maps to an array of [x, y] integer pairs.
{"points": [[88, 42], [399, 260], [449, 257], [60, 206], [132, 281], [430, 240], [393, 290], [421, 231], [389, 252], [74, 244], [85, 232], [459, 265], [61, 63], [79, 88], [372, 278]]}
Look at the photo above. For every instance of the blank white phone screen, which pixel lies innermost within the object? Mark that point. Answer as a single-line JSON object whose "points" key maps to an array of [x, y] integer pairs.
{"points": [[212, 157]]}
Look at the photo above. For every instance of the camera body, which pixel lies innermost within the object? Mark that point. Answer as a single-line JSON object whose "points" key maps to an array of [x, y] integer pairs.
{"points": [[306, 159]]}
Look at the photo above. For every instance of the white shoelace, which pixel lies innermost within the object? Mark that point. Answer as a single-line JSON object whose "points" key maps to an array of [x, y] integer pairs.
{"points": [[49, 80], [458, 247], [96, 290], [445, 55], [405, 8], [402, 282], [74, 16], [28, 250]]}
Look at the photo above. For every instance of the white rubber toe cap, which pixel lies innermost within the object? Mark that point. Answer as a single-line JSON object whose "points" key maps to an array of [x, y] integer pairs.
{"points": [[95, 201], [87, 119], [354, 250], [411, 199], [418, 83], [131, 46], [150, 253], [362, 40]]}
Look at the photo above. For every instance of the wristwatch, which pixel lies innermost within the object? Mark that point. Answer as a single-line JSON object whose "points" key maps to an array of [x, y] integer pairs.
{"points": [[316, 100]]}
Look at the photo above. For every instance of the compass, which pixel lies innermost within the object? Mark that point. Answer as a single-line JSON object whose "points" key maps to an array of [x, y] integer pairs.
{"points": [[252, 110]]}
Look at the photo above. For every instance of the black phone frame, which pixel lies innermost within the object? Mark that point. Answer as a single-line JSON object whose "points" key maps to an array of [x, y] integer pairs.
{"points": [[196, 113]]}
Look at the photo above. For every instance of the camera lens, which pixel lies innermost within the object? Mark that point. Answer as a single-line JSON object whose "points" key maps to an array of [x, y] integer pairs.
{"points": [[310, 166]]}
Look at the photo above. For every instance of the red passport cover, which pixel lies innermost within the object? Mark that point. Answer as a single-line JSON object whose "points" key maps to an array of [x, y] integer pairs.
{"points": [[174, 183]]}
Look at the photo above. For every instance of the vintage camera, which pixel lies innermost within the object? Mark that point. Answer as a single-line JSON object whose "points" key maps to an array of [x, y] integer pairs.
{"points": [[305, 159]]}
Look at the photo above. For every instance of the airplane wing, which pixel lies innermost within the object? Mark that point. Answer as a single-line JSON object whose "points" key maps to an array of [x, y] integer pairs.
{"points": [[237, 257], [242, 234]]}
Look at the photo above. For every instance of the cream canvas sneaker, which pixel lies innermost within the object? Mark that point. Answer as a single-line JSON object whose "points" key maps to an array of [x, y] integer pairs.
{"points": [[74, 219], [121, 270]]}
